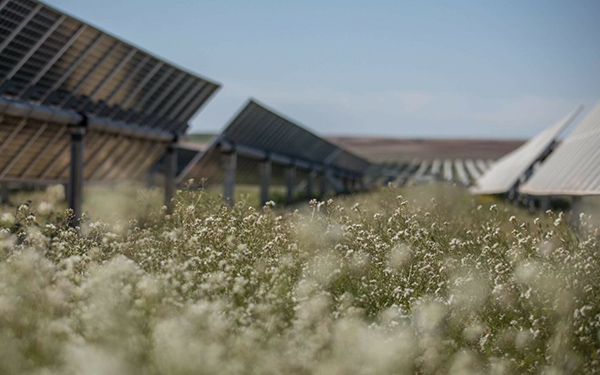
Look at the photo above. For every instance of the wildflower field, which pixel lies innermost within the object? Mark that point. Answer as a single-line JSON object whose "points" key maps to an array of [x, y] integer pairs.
{"points": [[435, 282]]}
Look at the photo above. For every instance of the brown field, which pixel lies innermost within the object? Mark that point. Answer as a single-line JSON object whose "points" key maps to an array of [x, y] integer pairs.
{"points": [[379, 149]]}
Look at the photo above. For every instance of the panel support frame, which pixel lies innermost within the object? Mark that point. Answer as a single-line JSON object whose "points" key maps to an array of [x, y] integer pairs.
{"points": [[265, 180], [75, 195], [290, 183], [4, 192], [170, 175], [310, 183], [229, 161]]}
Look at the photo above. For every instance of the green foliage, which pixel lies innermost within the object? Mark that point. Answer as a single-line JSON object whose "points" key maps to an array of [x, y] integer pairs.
{"points": [[434, 282]]}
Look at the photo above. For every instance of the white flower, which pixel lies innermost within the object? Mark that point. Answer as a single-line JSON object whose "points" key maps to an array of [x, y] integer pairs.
{"points": [[7, 219]]}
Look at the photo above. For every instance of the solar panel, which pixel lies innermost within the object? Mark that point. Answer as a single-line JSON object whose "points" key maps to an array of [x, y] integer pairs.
{"points": [[461, 172], [448, 175], [53, 59], [77, 104], [35, 141], [423, 167], [436, 167], [574, 167], [481, 165], [457, 171], [472, 169], [505, 173], [257, 134]]}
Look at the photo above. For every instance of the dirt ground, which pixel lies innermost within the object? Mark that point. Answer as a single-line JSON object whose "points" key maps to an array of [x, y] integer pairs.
{"points": [[400, 149]]}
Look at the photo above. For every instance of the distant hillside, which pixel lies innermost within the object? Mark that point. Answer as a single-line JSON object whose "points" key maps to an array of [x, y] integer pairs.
{"points": [[380, 149]]}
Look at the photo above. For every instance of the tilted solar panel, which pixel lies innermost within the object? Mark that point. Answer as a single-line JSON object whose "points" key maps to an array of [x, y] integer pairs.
{"points": [[574, 167], [258, 133], [35, 146], [471, 167], [53, 59], [506, 172]]}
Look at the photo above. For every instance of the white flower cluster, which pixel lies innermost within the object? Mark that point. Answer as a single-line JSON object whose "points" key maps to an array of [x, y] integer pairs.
{"points": [[380, 286]]}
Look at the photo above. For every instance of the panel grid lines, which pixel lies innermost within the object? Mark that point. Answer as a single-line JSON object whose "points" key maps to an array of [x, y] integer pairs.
{"points": [[35, 66]]}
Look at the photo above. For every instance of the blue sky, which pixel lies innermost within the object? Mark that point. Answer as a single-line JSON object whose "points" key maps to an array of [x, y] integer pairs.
{"points": [[493, 69]]}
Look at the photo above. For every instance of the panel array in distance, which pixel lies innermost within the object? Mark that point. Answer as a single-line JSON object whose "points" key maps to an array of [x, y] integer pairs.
{"points": [[573, 169], [507, 171], [50, 58], [456, 171]]}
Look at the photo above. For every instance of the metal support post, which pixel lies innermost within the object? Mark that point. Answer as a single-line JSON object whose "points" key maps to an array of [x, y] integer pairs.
{"points": [[229, 170], [323, 184], [545, 203], [345, 185], [5, 193], [170, 171], [76, 172], [310, 184], [265, 181], [291, 183], [576, 210]]}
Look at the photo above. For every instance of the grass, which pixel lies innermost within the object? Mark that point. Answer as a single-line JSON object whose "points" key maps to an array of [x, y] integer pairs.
{"points": [[201, 137], [427, 280]]}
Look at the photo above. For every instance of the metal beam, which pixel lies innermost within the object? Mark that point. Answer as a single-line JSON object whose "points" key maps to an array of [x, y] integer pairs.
{"points": [[164, 94], [13, 134], [94, 146], [54, 161], [291, 183], [148, 160], [18, 29], [76, 174], [43, 152], [115, 70], [33, 49], [170, 172], [3, 4], [199, 85], [310, 183], [130, 75], [174, 96], [189, 166], [122, 159], [117, 142], [265, 181], [67, 117], [142, 102], [55, 58], [141, 85], [195, 105], [130, 168], [4, 192], [229, 161], [71, 68], [23, 149], [89, 73]]}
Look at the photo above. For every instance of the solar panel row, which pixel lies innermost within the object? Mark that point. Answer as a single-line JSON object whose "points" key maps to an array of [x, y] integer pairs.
{"points": [[574, 168], [61, 78], [462, 172], [79, 104], [258, 135], [516, 166]]}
